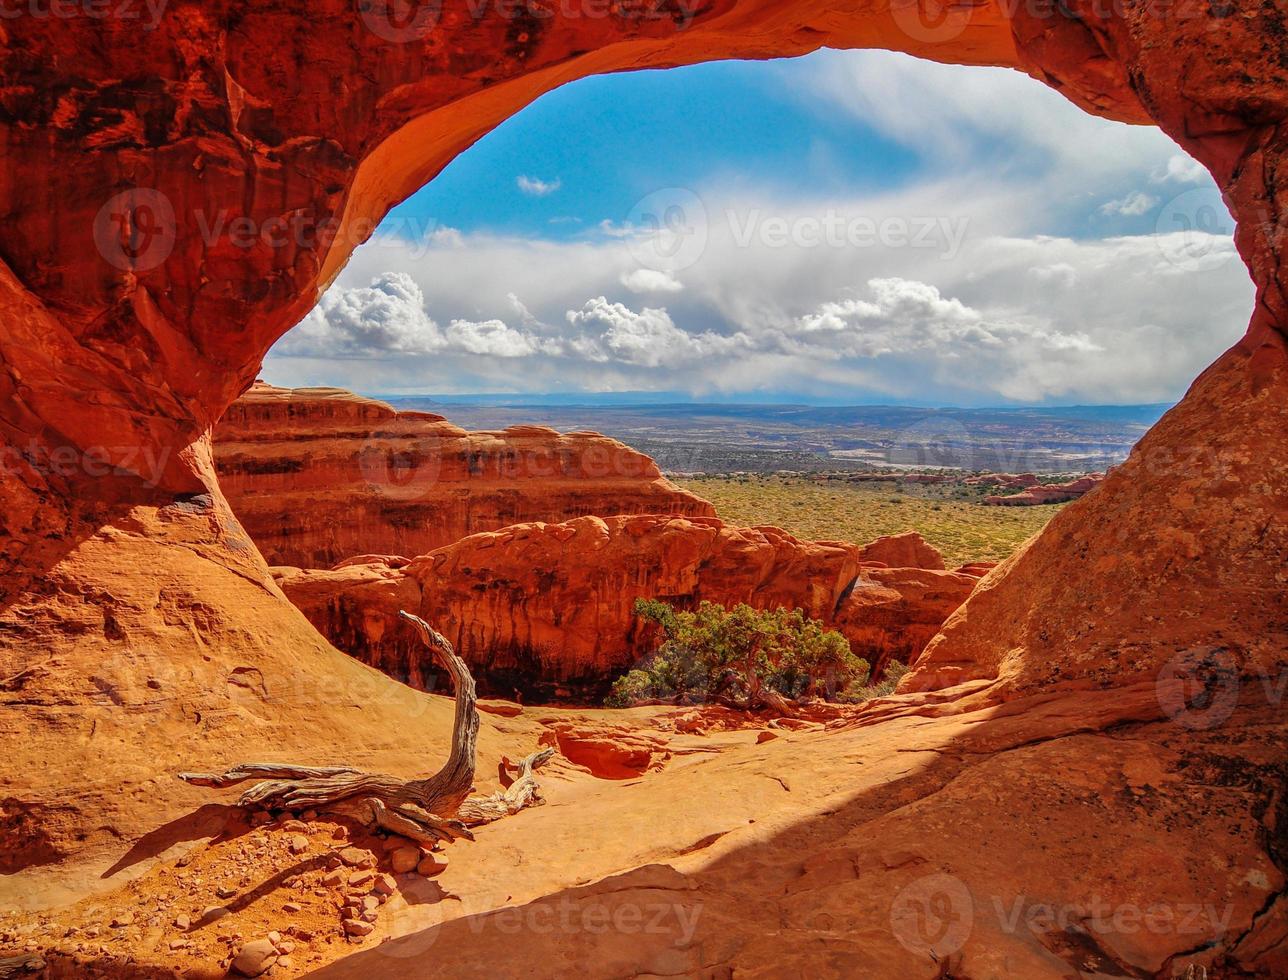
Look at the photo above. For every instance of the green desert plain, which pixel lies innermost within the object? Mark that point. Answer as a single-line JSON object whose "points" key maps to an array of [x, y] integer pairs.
{"points": [[950, 516]]}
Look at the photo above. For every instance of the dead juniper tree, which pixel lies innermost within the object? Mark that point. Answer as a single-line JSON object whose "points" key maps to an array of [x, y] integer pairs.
{"points": [[409, 807]]}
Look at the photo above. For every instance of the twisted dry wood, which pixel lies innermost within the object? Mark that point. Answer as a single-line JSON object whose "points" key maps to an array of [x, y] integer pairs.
{"points": [[520, 793], [404, 807]]}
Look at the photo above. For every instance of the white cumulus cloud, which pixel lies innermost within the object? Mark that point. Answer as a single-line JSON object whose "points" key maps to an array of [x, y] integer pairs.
{"points": [[537, 187], [651, 281], [649, 338], [386, 317], [1028, 300], [1130, 205], [492, 338], [1181, 168]]}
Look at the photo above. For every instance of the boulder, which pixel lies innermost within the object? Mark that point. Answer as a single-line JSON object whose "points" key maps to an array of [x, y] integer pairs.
{"points": [[254, 958], [908, 550]]}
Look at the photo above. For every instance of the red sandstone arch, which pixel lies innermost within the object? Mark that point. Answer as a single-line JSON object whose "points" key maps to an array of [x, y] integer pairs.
{"points": [[135, 616]]}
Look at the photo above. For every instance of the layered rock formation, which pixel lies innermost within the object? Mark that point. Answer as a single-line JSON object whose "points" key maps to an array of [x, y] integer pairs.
{"points": [[1007, 481], [1047, 493], [907, 550], [545, 609], [317, 475], [140, 632]]}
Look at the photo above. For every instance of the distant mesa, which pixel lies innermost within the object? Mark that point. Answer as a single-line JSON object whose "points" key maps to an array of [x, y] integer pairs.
{"points": [[1046, 493], [318, 475]]}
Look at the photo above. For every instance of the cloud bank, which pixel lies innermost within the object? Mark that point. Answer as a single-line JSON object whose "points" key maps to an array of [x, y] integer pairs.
{"points": [[953, 289]]}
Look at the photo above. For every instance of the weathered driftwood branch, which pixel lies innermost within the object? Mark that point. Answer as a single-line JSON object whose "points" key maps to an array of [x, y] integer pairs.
{"points": [[764, 698], [405, 807], [520, 793]]}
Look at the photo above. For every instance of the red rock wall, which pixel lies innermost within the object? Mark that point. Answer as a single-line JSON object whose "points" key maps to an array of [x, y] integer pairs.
{"points": [[538, 607], [319, 475]]}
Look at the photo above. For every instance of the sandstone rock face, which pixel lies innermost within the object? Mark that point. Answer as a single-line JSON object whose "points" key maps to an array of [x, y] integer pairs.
{"points": [[1207, 578], [892, 613], [902, 551], [318, 475], [539, 607], [1048, 493]]}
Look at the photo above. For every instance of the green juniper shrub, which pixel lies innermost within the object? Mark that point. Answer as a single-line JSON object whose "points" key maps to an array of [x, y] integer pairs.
{"points": [[860, 690], [735, 654]]}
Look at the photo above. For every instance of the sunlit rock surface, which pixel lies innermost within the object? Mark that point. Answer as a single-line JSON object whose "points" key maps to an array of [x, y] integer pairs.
{"points": [[548, 609], [319, 475]]}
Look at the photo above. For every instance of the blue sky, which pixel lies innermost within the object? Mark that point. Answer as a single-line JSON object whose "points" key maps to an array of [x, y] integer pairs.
{"points": [[850, 226], [610, 139]]}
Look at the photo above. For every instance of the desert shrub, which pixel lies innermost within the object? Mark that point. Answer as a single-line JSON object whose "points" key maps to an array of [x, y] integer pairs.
{"points": [[860, 690], [714, 652]]}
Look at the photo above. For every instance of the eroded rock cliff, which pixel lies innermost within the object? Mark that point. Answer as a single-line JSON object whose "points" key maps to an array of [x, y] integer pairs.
{"points": [[544, 609], [318, 475]]}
